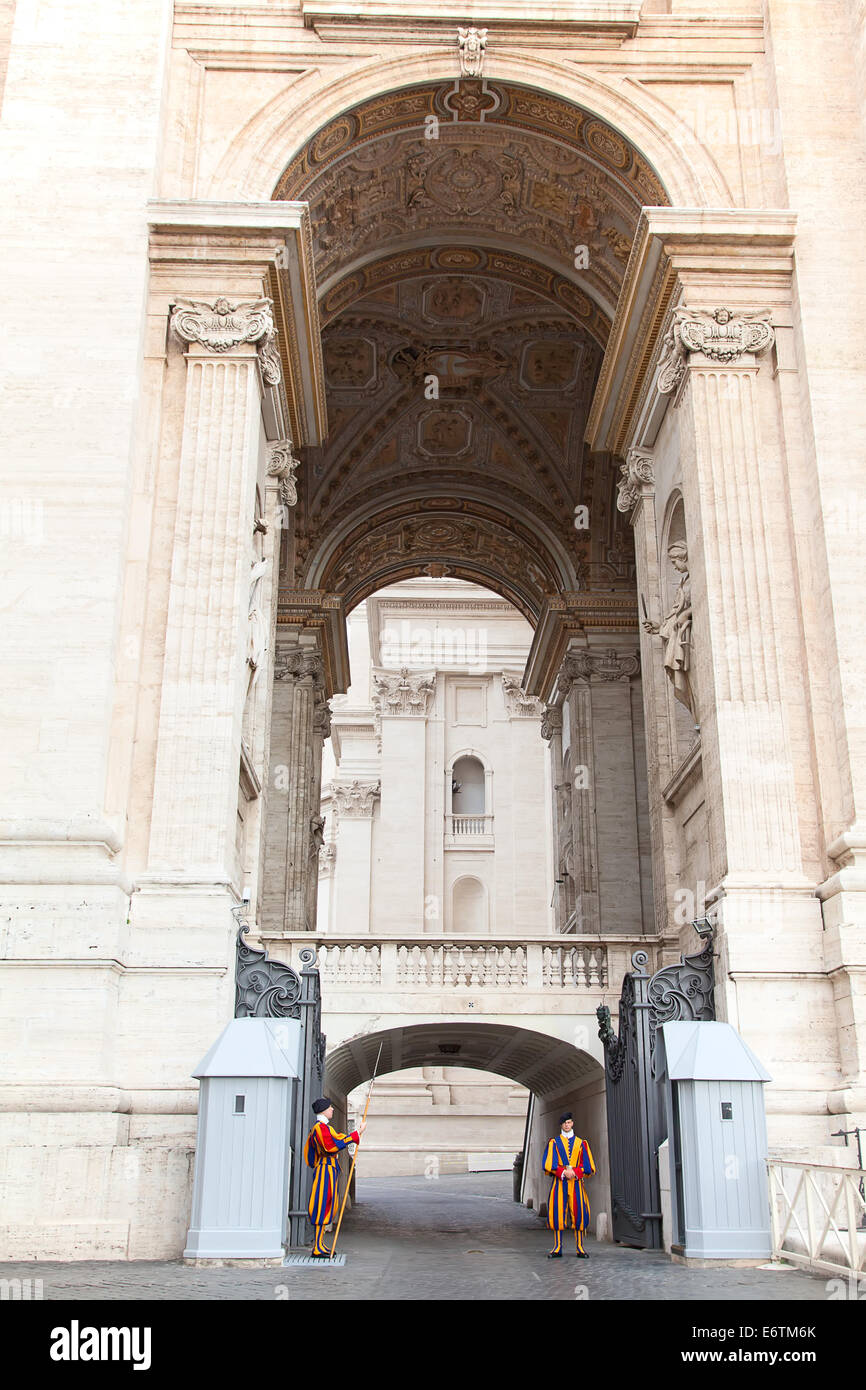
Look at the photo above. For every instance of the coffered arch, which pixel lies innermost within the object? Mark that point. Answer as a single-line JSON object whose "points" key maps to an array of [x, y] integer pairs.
{"points": [[463, 336], [257, 154]]}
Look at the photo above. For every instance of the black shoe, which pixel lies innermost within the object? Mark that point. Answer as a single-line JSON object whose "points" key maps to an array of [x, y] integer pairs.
{"points": [[314, 1255], [555, 1255], [581, 1254]]}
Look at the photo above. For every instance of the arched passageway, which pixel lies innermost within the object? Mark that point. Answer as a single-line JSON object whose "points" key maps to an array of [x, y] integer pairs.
{"points": [[558, 1074]]}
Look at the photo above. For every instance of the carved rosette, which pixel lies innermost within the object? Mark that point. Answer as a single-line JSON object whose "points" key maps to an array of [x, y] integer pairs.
{"points": [[221, 326], [403, 692], [283, 466], [354, 800], [599, 666], [518, 704], [551, 721], [718, 334], [637, 478]]}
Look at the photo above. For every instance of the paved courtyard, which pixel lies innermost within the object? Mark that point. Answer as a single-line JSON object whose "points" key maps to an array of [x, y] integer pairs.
{"points": [[455, 1237]]}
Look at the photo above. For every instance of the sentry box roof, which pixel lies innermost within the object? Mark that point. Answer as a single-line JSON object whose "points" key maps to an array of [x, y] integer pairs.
{"points": [[254, 1047], [709, 1052]]}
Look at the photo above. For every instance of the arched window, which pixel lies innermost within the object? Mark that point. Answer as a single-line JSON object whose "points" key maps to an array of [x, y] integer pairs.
{"points": [[468, 797], [468, 907]]}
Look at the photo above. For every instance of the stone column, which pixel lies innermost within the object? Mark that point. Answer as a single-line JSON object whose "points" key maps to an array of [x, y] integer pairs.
{"points": [[596, 690], [402, 703], [205, 674], [636, 495], [354, 803], [551, 732], [300, 723], [729, 490]]}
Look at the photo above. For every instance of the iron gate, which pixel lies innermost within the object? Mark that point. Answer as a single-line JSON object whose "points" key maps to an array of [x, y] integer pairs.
{"points": [[266, 988], [635, 1102]]}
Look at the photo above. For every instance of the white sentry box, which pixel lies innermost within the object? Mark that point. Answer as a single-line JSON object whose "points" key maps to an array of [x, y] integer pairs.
{"points": [[717, 1132], [249, 1084]]}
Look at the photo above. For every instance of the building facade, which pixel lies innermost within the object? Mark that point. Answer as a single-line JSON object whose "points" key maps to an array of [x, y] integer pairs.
{"points": [[305, 299]]}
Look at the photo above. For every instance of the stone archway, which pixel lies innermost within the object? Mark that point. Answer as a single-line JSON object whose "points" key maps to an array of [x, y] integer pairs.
{"points": [[558, 1074]]}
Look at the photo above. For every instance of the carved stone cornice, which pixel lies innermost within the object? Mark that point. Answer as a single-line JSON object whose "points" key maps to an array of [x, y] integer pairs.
{"points": [[600, 666], [403, 692], [551, 722], [720, 335], [518, 704], [637, 479], [221, 326], [282, 465], [354, 799]]}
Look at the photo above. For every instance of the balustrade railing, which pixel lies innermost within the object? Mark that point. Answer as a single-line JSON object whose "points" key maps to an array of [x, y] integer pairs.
{"points": [[818, 1216], [459, 962], [460, 826]]}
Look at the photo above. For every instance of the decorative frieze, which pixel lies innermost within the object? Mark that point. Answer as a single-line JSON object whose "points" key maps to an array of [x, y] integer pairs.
{"points": [[718, 334], [283, 466], [637, 477], [355, 799], [518, 704], [222, 326]]}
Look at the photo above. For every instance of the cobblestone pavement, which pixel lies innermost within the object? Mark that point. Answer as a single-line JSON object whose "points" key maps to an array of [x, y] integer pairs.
{"points": [[456, 1237]]}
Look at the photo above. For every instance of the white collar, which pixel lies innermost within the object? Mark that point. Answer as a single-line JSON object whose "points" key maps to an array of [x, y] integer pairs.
{"points": [[322, 1120], [563, 1135]]}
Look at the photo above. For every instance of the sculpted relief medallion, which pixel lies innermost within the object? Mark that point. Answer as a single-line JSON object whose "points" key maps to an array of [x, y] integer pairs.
{"points": [[350, 363], [444, 433]]}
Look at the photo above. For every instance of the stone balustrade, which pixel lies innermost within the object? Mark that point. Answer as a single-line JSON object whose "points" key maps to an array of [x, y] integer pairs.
{"points": [[459, 962], [461, 825]]}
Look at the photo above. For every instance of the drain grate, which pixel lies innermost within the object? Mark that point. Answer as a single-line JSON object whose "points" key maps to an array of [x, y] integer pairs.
{"points": [[309, 1262]]}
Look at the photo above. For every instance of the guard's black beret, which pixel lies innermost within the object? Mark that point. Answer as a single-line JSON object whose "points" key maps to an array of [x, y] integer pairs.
{"points": [[567, 1116], [321, 1105]]}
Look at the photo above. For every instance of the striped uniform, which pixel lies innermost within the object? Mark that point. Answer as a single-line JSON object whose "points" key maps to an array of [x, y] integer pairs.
{"points": [[567, 1204], [323, 1146]]}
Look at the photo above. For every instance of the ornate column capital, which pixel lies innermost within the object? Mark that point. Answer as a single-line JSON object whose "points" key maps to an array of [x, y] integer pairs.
{"points": [[721, 335], [551, 722], [355, 799], [403, 692], [222, 325], [637, 479], [282, 465], [298, 663], [518, 704], [600, 666]]}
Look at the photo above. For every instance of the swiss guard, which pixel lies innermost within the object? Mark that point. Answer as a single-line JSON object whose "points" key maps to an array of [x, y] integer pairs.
{"points": [[568, 1160], [323, 1146]]}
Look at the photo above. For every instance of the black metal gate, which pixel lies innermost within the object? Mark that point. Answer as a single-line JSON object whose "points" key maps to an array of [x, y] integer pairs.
{"points": [[635, 1103], [268, 989]]}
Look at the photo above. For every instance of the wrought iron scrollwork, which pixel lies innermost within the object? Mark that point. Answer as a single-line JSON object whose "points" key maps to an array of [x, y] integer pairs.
{"points": [[683, 991], [265, 988]]}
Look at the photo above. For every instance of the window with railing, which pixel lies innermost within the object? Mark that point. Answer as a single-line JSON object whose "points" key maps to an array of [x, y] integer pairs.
{"points": [[470, 816]]}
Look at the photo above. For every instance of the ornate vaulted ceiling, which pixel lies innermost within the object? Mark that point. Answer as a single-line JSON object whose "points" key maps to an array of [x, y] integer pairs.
{"points": [[462, 345]]}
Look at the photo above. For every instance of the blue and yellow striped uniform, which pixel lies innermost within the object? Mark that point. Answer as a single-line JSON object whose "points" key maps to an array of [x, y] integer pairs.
{"points": [[568, 1204], [323, 1146]]}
